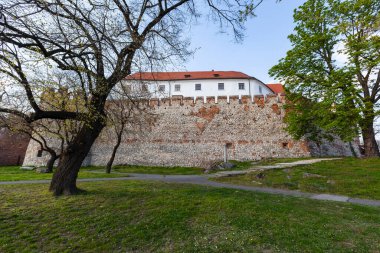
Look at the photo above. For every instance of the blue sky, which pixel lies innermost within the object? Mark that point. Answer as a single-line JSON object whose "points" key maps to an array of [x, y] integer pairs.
{"points": [[265, 42]]}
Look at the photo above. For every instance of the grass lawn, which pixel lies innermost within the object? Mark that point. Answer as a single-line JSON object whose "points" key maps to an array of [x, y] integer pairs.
{"points": [[239, 165], [244, 165], [135, 216], [349, 176], [14, 173], [158, 170], [273, 161]]}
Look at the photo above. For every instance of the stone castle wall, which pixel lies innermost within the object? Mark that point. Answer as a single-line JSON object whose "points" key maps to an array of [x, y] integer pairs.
{"points": [[194, 133]]}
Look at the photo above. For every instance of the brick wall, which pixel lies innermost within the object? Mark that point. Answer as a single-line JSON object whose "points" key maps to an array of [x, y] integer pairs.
{"points": [[189, 133], [12, 147]]}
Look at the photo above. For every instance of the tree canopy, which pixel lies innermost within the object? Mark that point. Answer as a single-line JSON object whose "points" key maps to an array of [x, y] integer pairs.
{"points": [[332, 72]]}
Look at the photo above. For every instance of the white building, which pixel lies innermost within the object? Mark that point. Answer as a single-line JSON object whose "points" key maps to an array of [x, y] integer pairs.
{"points": [[198, 84]]}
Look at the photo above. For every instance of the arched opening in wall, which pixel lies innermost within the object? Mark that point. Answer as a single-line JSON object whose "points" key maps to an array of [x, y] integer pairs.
{"points": [[285, 145], [39, 153]]}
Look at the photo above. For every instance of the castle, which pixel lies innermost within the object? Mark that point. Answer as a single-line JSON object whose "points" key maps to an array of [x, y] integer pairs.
{"points": [[196, 84], [193, 127]]}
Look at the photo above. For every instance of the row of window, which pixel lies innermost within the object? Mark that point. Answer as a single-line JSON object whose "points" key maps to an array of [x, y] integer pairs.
{"points": [[198, 86]]}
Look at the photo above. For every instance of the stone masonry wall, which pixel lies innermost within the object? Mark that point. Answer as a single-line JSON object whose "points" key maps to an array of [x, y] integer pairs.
{"points": [[188, 133], [12, 147], [194, 134]]}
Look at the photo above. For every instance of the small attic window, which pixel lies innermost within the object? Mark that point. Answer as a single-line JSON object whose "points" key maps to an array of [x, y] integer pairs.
{"points": [[187, 76], [39, 153], [216, 75]]}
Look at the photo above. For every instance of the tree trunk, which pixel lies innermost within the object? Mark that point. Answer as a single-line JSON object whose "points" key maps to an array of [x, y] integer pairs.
{"points": [[353, 150], [64, 178], [112, 158], [50, 163], [371, 148]]}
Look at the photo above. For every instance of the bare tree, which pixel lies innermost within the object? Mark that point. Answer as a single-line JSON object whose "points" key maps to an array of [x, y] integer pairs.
{"points": [[99, 42], [51, 135], [132, 115]]}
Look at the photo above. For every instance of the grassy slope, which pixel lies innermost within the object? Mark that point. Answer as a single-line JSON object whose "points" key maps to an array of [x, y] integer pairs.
{"points": [[156, 217], [348, 176], [14, 173], [244, 165], [272, 161]]}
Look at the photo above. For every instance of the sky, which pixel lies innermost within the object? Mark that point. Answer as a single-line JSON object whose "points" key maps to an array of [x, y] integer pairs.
{"points": [[265, 42]]}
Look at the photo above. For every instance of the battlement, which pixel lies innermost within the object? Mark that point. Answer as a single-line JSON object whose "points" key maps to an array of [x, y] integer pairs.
{"points": [[259, 100], [194, 131]]}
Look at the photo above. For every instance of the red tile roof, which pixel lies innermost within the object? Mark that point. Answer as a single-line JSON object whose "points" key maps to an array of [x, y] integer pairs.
{"points": [[276, 87], [192, 75]]}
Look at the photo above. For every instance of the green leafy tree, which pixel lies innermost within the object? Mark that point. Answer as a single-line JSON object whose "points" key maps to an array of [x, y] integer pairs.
{"points": [[332, 72]]}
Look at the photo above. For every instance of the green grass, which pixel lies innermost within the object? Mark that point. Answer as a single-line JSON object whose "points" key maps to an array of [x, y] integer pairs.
{"points": [[240, 165], [132, 216], [14, 173], [158, 170], [244, 165], [273, 161], [348, 176]]}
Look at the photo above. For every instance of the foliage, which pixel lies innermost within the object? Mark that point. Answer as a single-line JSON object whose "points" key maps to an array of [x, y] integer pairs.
{"points": [[52, 135], [332, 72]]}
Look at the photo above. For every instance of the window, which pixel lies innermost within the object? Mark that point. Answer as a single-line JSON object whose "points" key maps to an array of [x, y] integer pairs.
{"points": [[177, 87], [260, 90], [144, 88], [39, 153], [198, 86], [241, 86], [161, 88], [220, 86]]}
